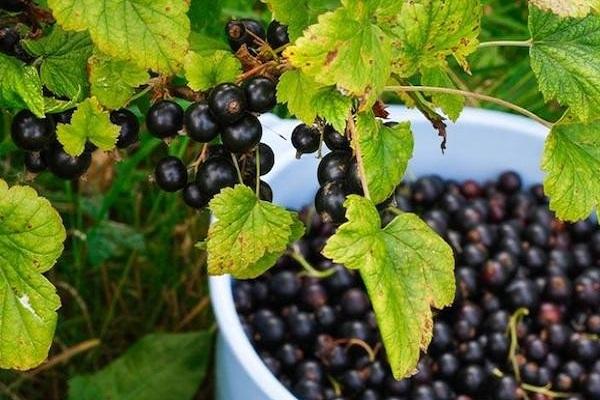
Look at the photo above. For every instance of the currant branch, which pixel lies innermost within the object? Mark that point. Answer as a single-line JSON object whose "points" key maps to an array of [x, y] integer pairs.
{"points": [[479, 96], [354, 137]]}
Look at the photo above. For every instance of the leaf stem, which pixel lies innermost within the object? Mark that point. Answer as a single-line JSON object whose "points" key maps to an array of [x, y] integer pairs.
{"points": [[514, 344], [257, 166], [310, 270], [479, 96], [359, 161], [506, 43], [237, 168]]}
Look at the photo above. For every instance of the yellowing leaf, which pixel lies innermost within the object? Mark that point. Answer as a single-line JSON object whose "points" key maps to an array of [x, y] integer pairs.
{"points": [[249, 234], [406, 267], [31, 240], [306, 99], [569, 8], [299, 14], [565, 57], [345, 49], [114, 81], [152, 34], [385, 154], [88, 122], [451, 105], [572, 163], [428, 31], [206, 71]]}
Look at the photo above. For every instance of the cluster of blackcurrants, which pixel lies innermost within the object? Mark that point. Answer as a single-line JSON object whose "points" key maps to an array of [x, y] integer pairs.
{"points": [[251, 34], [37, 137], [228, 115], [316, 334], [337, 172], [9, 36]]}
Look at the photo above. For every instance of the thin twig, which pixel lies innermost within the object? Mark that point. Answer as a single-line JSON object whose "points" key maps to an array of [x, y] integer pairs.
{"points": [[197, 310], [237, 168], [309, 270], [65, 356], [500, 102]]}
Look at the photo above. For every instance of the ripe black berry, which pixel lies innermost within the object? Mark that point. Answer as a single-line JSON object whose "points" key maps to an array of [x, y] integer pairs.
{"points": [[165, 119], [509, 182], [170, 174], [194, 197], [12, 5], [130, 127], [65, 166], [306, 139], [227, 103], [267, 159], [31, 133], [335, 140], [244, 32], [329, 202], [9, 38], [242, 135], [34, 162], [260, 94], [334, 167], [199, 123], [277, 35], [309, 390], [215, 174]]}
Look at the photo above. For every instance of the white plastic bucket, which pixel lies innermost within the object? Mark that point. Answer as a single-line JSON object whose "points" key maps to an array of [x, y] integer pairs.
{"points": [[481, 145]]}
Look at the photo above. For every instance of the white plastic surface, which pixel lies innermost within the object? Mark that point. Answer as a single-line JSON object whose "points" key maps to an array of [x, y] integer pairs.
{"points": [[482, 144]]}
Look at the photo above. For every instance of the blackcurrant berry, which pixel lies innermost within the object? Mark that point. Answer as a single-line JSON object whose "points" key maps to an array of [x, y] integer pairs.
{"points": [[267, 159], [277, 35], [306, 139], [260, 94], [130, 127], [12, 5], [265, 192], [215, 174], [335, 140], [334, 167], [9, 38], [244, 32], [31, 133], [164, 119], [34, 162], [65, 166], [308, 390], [194, 197], [170, 174], [199, 123], [354, 303], [329, 202], [227, 103], [63, 117], [509, 182], [242, 135]]}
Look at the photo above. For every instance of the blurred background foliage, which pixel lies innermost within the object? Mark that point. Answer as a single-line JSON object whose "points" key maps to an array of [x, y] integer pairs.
{"points": [[130, 267]]}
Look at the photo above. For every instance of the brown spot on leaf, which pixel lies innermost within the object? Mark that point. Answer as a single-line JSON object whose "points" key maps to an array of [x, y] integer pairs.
{"points": [[331, 56]]}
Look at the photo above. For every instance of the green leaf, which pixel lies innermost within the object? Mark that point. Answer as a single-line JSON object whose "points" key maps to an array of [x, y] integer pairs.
{"points": [[573, 8], [429, 31], [565, 57], [114, 81], [406, 267], [385, 153], [64, 57], [205, 16], [110, 239], [204, 45], [572, 163], [249, 234], [299, 14], [89, 122], [157, 367], [206, 71], [152, 34], [345, 49], [307, 100], [20, 86], [31, 240], [451, 105]]}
